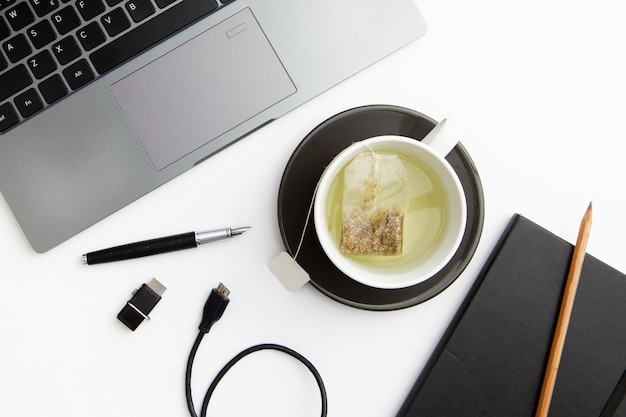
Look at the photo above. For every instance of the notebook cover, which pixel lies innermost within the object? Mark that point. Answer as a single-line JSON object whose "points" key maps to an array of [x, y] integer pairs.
{"points": [[492, 358]]}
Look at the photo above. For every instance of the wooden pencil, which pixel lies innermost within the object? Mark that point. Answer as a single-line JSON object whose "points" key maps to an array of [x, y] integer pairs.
{"points": [[565, 314]]}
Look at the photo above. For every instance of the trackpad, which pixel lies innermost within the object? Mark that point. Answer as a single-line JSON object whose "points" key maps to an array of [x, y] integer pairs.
{"points": [[203, 88]]}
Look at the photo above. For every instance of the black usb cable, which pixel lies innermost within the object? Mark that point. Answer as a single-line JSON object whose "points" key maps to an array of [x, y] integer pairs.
{"points": [[213, 310]]}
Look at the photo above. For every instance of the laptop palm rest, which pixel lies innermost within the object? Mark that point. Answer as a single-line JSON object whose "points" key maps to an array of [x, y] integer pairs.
{"points": [[214, 82]]}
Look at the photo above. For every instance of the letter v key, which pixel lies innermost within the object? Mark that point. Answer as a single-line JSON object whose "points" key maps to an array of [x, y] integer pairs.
{"points": [[115, 22]]}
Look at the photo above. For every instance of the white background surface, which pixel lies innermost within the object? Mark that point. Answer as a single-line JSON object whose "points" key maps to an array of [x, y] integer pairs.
{"points": [[539, 92]]}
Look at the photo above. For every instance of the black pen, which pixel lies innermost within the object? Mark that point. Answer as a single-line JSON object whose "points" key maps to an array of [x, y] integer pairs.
{"points": [[160, 245]]}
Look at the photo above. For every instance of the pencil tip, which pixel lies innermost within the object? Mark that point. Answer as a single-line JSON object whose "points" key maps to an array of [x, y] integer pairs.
{"points": [[588, 213]]}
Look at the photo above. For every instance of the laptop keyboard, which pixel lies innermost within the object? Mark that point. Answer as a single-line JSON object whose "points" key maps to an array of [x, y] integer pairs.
{"points": [[50, 48]]}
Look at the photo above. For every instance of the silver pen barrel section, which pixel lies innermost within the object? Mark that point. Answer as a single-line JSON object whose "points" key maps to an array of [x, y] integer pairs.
{"points": [[214, 235]]}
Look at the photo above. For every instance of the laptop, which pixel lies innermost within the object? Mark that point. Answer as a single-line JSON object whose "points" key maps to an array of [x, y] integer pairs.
{"points": [[102, 101]]}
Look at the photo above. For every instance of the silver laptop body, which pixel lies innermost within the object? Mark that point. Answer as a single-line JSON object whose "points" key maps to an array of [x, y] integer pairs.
{"points": [[169, 108]]}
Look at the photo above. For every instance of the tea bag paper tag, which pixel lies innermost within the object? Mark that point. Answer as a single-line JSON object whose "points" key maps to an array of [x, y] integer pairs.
{"points": [[288, 271]]}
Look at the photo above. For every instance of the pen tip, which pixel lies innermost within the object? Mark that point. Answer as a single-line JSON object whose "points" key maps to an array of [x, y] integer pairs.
{"points": [[239, 230]]}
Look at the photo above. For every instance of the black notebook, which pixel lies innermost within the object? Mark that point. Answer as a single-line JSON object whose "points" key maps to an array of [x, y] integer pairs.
{"points": [[492, 358]]}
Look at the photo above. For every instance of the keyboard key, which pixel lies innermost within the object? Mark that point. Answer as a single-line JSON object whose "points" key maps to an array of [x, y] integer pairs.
{"points": [[20, 16], [42, 64], [113, 2], [115, 22], [17, 48], [43, 7], [66, 50], [41, 34], [149, 33], [3, 63], [91, 36], [53, 89], [8, 117], [139, 9], [78, 74], [14, 80], [28, 103], [89, 8], [4, 29], [65, 20], [6, 3], [165, 3]]}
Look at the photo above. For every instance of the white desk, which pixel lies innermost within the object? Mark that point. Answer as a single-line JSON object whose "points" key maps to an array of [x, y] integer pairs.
{"points": [[540, 92]]}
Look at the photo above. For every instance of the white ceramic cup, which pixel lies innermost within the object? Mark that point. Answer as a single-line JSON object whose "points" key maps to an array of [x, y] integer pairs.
{"points": [[424, 252]]}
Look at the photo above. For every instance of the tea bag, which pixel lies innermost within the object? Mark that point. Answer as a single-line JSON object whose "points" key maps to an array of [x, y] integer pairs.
{"points": [[373, 206]]}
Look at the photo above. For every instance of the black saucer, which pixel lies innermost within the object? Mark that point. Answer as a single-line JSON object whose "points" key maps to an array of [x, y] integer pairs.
{"points": [[298, 184]]}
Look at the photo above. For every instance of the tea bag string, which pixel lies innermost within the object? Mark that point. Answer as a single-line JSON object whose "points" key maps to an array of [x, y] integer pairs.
{"points": [[372, 151], [306, 222]]}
